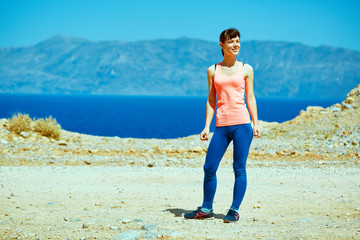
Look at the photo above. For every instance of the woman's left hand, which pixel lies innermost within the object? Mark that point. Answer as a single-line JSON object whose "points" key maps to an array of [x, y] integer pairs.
{"points": [[256, 131]]}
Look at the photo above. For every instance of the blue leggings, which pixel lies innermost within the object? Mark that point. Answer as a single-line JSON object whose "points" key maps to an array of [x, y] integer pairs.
{"points": [[241, 135]]}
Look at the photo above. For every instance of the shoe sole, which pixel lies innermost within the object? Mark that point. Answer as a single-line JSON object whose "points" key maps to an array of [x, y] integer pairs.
{"points": [[210, 218], [228, 221]]}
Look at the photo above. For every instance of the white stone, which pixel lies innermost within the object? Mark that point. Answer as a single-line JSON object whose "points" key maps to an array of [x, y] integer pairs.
{"points": [[346, 106], [125, 221], [349, 100], [24, 134], [335, 109], [62, 143], [314, 108]]}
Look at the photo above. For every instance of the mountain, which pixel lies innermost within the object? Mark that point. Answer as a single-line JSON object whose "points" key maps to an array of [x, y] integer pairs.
{"points": [[68, 65]]}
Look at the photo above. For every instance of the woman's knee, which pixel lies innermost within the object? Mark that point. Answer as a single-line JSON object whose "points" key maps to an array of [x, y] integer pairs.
{"points": [[209, 170], [239, 170]]}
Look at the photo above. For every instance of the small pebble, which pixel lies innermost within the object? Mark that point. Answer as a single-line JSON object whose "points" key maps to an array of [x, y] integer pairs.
{"points": [[125, 221]]}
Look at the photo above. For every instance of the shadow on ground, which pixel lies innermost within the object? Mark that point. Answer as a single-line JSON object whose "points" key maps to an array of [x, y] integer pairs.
{"points": [[178, 212]]}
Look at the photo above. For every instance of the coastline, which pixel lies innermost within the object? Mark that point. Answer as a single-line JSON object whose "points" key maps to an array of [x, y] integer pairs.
{"points": [[302, 183]]}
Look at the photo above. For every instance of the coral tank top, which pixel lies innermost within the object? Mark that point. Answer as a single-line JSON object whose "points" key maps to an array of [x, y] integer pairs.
{"points": [[231, 107]]}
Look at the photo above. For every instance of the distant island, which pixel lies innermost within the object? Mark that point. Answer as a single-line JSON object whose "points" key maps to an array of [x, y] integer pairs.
{"points": [[69, 65]]}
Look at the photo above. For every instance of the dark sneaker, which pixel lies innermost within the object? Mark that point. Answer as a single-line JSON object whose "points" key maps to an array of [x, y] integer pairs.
{"points": [[198, 214], [231, 216]]}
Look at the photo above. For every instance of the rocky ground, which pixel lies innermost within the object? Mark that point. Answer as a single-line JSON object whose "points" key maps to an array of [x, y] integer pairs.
{"points": [[131, 202], [305, 183]]}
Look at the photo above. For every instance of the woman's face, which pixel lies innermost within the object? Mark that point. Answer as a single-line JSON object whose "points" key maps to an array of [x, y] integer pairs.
{"points": [[231, 46]]}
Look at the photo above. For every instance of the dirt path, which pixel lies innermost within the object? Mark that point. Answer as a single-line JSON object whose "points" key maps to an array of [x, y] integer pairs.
{"points": [[103, 202]]}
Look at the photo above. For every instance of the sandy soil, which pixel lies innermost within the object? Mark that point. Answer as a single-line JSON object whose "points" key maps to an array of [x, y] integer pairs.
{"points": [[89, 202]]}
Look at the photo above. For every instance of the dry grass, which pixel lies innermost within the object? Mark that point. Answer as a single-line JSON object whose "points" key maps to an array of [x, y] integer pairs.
{"points": [[20, 123], [46, 127]]}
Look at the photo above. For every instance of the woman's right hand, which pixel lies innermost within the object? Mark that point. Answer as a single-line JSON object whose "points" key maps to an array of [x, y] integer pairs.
{"points": [[204, 135]]}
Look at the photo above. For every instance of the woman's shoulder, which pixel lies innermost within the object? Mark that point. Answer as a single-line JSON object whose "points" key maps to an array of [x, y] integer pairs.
{"points": [[247, 68], [211, 69], [246, 65], [248, 71]]}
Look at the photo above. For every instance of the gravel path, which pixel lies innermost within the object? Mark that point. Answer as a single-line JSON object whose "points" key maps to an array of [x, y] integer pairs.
{"points": [[97, 202]]}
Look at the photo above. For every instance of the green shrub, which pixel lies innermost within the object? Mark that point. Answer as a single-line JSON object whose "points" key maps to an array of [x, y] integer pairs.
{"points": [[48, 127], [19, 123]]}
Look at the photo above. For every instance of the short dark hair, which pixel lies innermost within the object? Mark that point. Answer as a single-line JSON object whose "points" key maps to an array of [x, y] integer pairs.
{"points": [[228, 34]]}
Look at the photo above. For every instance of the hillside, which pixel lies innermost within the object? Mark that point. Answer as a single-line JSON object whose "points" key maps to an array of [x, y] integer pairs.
{"points": [[68, 65], [331, 134]]}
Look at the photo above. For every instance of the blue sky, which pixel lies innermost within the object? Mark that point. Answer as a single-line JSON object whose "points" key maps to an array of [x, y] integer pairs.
{"points": [[311, 22]]}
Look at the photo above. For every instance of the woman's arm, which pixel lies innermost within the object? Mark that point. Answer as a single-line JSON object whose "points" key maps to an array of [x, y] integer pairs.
{"points": [[210, 104], [250, 98]]}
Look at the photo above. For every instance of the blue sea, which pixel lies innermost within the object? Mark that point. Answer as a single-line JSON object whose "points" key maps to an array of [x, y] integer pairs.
{"points": [[137, 116]]}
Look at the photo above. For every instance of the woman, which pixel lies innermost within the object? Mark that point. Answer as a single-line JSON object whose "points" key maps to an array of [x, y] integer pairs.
{"points": [[228, 81]]}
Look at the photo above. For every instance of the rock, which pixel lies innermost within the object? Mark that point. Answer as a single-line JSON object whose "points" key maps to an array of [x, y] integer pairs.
{"points": [[3, 141], [93, 151], [151, 165], [24, 134], [125, 221], [114, 227], [355, 91], [314, 109], [335, 108], [85, 225], [44, 139], [148, 227], [140, 220], [127, 235], [349, 100], [279, 153], [346, 106], [62, 143]]}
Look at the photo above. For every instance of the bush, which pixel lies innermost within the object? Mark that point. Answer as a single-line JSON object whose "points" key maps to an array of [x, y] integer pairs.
{"points": [[23, 123], [48, 127], [20, 123]]}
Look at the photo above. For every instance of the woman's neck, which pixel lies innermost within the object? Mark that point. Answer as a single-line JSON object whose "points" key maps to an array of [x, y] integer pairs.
{"points": [[229, 61]]}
